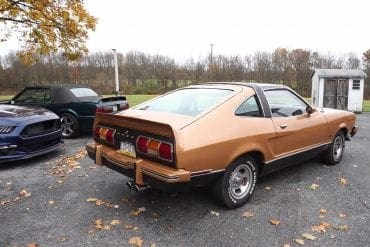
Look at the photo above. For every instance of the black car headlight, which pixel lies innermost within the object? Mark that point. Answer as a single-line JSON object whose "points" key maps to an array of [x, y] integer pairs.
{"points": [[6, 129]]}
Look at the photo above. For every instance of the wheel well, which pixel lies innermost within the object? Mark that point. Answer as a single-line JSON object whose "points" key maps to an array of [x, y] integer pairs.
{"points": [[258, 157], [344, 130]]}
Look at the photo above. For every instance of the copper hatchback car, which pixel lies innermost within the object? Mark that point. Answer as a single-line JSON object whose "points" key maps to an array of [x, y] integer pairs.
{"points": [[220, 134]]}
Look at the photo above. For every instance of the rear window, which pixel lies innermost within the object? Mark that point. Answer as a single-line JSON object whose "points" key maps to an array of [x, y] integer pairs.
{"points": [[83, 92], [190, 101]]}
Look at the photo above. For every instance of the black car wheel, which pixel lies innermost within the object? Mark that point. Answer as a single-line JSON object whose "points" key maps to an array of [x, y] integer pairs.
{"points": [[70, 127], [237, 184], [333, 155]]}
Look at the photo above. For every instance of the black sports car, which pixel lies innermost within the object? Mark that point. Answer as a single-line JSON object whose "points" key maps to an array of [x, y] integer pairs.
{"points": [[75, 104], [26, 132]]}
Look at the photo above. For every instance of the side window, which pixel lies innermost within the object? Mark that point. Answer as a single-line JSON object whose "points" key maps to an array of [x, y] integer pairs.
{"points": [[250, 108], [284, 103], [47, 98], [33, 96]]}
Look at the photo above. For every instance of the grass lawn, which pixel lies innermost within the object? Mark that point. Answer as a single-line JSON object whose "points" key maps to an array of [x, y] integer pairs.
{"points": [[137, 99], [5, 97]]}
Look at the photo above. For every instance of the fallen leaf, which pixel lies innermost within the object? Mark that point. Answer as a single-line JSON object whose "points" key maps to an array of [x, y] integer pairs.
{"points": [[341, 227], [321, 227], [115, 222], [33, 245], [215, 213], [131, 227], [313, 186], [308, 236], [99, 225], [247, 214], [299, 241], [25, 193], [4, 202], [63, 239], [152, 245], [91, 199], [322, 211], [99, 202], [321, 216], [138, 211], [342, 215], [286, 245], [137, 241], [275, 222], [51, 202], [342, 181]]}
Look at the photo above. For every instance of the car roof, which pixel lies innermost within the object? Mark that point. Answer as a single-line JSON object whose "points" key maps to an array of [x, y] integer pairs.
{"points": [[263, 86], [58, 86]]}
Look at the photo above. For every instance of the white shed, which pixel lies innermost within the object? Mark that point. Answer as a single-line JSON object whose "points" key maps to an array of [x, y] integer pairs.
{"points": [[338, 88]]}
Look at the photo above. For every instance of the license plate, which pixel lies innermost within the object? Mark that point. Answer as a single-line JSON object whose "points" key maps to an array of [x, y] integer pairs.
{"points": [[115, 108], [128, 149]]}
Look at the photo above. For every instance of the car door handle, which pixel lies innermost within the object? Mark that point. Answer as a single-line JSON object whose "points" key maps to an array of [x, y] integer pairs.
{"points": [[283, 126]]}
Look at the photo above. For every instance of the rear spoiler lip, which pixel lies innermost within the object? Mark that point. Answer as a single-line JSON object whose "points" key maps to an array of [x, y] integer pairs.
{"points": [[113, 98], [169, 132]]}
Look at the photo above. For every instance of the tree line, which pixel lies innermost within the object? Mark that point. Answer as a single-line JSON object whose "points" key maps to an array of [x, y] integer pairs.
{"points": [[142, 73]]}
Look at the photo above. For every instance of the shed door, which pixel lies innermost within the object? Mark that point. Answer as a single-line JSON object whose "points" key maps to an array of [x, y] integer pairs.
{"points": [[336, 93], [342, 94]]}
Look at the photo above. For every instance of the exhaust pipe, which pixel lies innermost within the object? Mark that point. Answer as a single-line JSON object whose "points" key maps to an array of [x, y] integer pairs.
{"points": [[130, 185], [138, 188]]}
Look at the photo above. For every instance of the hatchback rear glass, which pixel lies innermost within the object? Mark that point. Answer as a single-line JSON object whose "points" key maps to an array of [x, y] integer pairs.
{"points": [[189, 101], [80, 92]]}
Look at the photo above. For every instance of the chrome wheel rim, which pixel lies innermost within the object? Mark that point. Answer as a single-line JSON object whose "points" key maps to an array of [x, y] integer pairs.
{"points": [[240, 181], [67, 126], [338, 148]]}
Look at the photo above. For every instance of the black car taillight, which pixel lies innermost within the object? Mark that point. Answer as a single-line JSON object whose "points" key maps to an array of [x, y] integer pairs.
{"points": [[104, 109]]}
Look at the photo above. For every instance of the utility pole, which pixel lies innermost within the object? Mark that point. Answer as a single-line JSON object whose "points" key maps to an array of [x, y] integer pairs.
{"points": [[116, 71], [211, 57]]}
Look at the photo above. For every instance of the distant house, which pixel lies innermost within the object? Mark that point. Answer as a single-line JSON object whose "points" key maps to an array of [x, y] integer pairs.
{"points": [[338, 88]]}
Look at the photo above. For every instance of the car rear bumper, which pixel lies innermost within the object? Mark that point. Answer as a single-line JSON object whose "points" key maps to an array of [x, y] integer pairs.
{"points": [[146, 172], [353, 131]]}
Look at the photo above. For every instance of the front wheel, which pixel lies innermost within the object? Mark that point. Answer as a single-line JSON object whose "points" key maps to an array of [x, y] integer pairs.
{"points": [[334, 154], [237, 184], [70, 127]]}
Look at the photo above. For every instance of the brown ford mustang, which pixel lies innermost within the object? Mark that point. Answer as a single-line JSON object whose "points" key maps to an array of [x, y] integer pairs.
{"points": [[220, 134]]}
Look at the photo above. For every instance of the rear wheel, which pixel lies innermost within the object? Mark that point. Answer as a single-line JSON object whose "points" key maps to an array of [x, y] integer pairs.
{"points": [[237, 184], [70, 126], [333, 155]]}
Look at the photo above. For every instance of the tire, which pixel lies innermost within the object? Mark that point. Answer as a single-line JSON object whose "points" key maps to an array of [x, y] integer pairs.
{"points": [[235, 187], [334, 154], [70, 126]]}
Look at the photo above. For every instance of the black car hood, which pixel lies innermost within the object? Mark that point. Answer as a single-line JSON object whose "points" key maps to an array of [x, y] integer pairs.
{"points": [[11, 115]]}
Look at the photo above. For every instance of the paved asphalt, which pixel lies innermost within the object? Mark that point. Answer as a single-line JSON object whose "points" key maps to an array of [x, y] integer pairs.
{"points": [[57, 213]]}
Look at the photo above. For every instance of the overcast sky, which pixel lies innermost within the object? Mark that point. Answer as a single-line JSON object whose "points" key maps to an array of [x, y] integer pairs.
{"points": [[182, 29]]}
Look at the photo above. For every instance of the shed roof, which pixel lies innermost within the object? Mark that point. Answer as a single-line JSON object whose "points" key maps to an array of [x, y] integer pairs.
{"points": [[343, 73]]}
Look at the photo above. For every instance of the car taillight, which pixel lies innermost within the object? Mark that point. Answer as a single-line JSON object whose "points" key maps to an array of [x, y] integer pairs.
{"points": [[124, 106], [104, 109], [155, 148], [104, 133], [165, 151], [109, 137], [141, 144], [97, 132]]}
